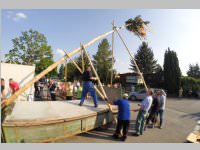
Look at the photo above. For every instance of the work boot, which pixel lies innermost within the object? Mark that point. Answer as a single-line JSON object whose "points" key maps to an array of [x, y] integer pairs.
{"points": [[136, 134], [123, 138], [80, 104], [96, 106], [115, 136]]}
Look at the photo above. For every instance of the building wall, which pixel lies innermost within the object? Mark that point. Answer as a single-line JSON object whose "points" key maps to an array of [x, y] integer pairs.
{"points": [[19, 73], [129, 81]]}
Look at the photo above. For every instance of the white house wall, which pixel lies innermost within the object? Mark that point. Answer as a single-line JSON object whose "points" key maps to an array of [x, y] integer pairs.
{"points": [[19, 73]]}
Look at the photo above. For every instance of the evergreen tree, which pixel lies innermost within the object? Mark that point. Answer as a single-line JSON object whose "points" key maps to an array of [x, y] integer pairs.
{"points": [[145, 60], [194, 71], [103, 61], [172, 72], [61, 73]]}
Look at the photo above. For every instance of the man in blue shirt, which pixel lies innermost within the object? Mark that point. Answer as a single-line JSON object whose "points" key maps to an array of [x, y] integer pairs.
{"points": [[123, 117]]}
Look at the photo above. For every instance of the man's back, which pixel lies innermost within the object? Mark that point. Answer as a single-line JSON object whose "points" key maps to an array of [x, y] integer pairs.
{"points": [[162, 102], [123, 108]]}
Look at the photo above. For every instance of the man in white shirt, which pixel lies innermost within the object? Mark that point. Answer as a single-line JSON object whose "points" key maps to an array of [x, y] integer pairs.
{"points": [[143, 112]]}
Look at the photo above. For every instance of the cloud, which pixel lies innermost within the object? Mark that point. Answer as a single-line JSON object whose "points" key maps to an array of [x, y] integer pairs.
{"points": [[60, 52], [9, 14], [19, 16]]}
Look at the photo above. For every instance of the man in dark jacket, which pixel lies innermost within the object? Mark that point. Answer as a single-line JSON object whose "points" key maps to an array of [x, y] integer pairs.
{"points": [[88, 87], [52, 89], [153, 112], [123, 117]]}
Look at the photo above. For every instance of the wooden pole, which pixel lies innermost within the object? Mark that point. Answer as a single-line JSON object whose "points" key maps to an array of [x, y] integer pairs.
{"points": [[113, 35], [73, 62], [138, 70], [83, 64], [54, 65], [100, 84], [66, 74], [102, 96], [98, 79]]}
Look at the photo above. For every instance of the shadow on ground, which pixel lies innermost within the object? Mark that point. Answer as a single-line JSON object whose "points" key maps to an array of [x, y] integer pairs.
{"points": [[106, 133], [195, 116]]}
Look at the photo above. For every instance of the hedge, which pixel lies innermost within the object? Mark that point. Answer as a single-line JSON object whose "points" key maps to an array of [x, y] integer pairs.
{"points": [[190, 83]]}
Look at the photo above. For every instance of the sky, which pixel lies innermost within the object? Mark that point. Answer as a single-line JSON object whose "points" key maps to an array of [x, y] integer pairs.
{"points": [[65, 29]]}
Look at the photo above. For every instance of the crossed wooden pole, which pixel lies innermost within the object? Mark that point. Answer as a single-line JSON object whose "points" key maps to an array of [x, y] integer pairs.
{"points": [[73, 52]]}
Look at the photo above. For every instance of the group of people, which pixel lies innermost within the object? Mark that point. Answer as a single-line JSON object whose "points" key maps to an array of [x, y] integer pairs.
{"points": [[71, 90], [13, 85], [53, 88], [149, 110], [45, 83]]}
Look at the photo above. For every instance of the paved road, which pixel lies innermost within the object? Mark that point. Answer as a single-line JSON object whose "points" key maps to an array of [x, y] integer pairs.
{"points": [[181, 116]]}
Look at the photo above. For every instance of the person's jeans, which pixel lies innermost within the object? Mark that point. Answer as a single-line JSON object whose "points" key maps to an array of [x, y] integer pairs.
{"points": [[140, 121], [120, 124], [88, 87], [160, 113]]}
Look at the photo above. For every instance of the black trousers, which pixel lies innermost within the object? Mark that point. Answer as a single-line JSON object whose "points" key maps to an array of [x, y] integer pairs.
{"points": [[53, 96], [122, 124], [69, 97], [152, 117]]}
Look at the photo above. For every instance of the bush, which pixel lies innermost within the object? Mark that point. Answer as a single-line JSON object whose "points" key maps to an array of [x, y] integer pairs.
{"points": [[190, 83]]}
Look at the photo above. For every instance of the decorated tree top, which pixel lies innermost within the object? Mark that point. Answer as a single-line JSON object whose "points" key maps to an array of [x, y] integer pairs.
{"points": [[138, 26]]}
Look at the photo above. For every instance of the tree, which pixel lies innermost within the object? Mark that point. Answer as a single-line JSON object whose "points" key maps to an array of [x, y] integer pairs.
{"points": [[61, 72], [43, 64], [172, 72], [71, 71], [103, 61], [31, 48], [145, 60], [78, 60], [194, 71], [137, 26]]}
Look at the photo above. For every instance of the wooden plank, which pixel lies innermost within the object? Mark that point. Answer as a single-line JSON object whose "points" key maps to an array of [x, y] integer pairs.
{"points": [[193, 138]]}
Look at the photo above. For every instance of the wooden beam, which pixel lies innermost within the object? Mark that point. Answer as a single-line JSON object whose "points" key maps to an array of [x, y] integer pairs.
{"points": [[76, 65], [83, 64], [101, 87], [113, 35], [66, 74], [132, 57], [102, 96], [54, 65], [98, 79]]}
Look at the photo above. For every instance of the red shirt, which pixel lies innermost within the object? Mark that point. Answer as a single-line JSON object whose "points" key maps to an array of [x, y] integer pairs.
{"points": [[14, 86]]}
